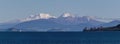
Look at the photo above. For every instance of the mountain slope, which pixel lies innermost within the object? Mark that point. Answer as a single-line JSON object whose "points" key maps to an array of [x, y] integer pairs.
{"points": [[12, 23], [9, 24], [41, 25], [112, 23], [66, 22], [45, 25]]}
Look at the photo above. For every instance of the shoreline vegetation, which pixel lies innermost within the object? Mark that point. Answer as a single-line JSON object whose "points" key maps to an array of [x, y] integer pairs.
{"points": [[100, 29]]}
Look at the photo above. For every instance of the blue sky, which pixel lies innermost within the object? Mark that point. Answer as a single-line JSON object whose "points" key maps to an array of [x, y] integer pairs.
{"points": [[16, 9]]}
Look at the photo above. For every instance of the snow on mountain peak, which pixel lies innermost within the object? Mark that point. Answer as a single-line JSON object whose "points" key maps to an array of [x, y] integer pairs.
{"points": [[45, 16], [39, 16], [67, 15]]}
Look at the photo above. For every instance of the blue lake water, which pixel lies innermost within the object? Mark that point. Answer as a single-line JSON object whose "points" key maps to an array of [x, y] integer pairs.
{"points": [[59, 37]]}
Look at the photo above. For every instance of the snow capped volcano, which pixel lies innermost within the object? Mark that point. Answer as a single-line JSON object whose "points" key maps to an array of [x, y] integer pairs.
{"points": [[43, 16], [64, 22], [66, 19], [67, 15], [39, 16]]}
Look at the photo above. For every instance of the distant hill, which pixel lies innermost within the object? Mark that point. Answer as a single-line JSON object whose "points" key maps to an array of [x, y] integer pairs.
{"points": [[112, 23]]}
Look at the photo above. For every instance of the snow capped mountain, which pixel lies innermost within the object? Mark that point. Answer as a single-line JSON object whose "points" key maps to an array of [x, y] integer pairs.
{"points": [[39, 16], [65, 22], [77, 20], [66, 15]]}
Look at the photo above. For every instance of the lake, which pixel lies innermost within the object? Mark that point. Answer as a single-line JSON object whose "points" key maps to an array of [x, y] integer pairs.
{"points": [[59, 37]]}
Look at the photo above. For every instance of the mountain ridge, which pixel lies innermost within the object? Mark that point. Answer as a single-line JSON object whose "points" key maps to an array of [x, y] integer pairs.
{"points": [[64, 22]]}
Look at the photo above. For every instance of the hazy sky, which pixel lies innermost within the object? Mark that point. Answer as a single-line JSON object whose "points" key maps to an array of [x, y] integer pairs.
{"points": [[16, 9]]}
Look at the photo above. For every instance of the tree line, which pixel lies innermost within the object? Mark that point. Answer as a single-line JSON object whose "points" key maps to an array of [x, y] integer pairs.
{"points": [[101, 28]]}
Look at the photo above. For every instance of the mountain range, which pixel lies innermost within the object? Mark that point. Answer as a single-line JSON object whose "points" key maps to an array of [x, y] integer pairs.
{"points": [[65, 22]]}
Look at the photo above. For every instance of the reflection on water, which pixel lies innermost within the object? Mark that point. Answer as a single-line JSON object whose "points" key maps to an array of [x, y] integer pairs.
{"points": [[59, 37]]}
